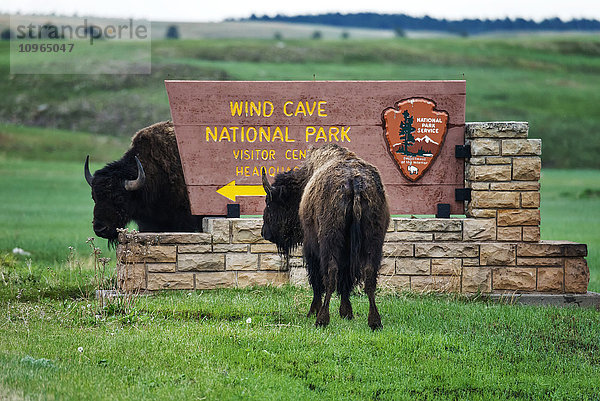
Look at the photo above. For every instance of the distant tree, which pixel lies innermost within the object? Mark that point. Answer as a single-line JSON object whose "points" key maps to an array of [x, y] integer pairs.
{"points": [[278, 36], [7, 34], [172, 32], [399, 32], [317, 35], [345, 35], [406, 130]]}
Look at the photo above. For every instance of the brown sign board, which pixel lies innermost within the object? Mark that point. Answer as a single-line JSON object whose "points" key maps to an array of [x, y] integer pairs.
{"points": [[228, 130]]}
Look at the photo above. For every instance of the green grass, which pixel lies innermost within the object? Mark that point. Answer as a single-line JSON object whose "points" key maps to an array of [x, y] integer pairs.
{"points": [[202, 346], [548, 81]]}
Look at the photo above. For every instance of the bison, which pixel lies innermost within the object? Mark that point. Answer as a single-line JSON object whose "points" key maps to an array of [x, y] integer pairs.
{"points": [[145, 186], [335, 205]]}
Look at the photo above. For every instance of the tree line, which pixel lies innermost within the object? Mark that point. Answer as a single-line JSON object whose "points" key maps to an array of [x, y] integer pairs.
{"points": [[406, 22]]}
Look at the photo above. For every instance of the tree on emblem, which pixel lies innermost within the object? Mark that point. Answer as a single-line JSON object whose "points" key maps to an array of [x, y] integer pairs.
{"points": [[406, 130]]}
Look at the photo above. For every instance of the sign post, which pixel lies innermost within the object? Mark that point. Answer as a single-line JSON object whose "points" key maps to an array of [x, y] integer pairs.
{"points": [[227, 131]]}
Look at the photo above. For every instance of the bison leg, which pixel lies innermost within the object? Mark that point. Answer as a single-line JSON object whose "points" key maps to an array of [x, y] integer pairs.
{"points": [[374, 319], [346, 306], [316, 304], [330, 285], [315, 279]]}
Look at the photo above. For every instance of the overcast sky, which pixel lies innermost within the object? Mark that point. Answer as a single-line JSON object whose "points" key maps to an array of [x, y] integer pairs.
{"points": [[203, 10]]}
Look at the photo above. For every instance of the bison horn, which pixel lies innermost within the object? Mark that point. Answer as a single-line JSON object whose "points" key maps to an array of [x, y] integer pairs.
{"points": [[266, 185], [132, 185], [86, 171]]}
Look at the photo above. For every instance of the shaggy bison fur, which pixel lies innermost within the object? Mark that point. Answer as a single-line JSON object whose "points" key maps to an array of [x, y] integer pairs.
{"points": [[145, 186], [334, 204]]}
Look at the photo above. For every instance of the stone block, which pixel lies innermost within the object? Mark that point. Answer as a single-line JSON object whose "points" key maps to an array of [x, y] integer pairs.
{"points": [[219, 228], [518, 217], [477, 161], [230, 248], [263, 248], [131, 277], [446, 267], [550, 280], [299, 277], [173, 238], [480, 213], [408, 236], [515, 186], [450, 250], [428, 225], [200, 262], [485, 147], [161, 267], [273, 262], [494, 199], [557, 262], [531, 234], [514, 278], [391, 226], [498, 160], [435, 283], [398, 249], [496, 130], [488, 173], [522, 147], [170, 281], [577, 275], [247, 231], [530, 199], [510, 233], [497, 254], [398, 283], [159, 253], [248, 279], [527, 168], [573, 249], [542, 249], [452, 236], [211, 280], [470, 262], [478, 186], [241, 261], [476, 280], [413, 266], [194, 248], [388, 266]]}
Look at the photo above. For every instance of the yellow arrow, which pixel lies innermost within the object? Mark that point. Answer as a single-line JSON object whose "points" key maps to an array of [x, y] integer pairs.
{"points": [[230, 191]]}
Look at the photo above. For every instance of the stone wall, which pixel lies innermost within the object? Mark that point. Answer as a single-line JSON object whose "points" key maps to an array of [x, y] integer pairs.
{"points": [[496, 248]]}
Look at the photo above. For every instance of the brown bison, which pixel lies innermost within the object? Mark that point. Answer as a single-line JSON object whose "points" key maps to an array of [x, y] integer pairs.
{"points": [[334, 203], [145, 186]]}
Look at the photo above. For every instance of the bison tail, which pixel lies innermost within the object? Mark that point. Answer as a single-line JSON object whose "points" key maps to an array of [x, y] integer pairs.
{"points": [[355, 229]]}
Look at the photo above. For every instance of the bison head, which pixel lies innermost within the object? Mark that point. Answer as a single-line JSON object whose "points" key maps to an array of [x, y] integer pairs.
{"points": [[112, 193], [281, 222]]}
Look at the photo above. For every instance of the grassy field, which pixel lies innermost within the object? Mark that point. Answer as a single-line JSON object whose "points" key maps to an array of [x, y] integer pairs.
{"points": [[549, 81]]}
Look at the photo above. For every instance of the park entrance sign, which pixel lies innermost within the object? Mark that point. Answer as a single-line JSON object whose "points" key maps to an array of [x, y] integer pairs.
{"points": [[228, 131]]}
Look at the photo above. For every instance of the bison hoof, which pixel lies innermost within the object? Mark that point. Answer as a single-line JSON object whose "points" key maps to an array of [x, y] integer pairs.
{"points": [[322, 320], [346, 312], [375, 323]]}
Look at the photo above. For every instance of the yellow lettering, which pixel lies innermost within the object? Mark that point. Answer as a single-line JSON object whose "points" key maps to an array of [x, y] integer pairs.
{"points": [[236, 154], [248, 134], [321, 109], [236, 108], [300, 109], [272, 154], [345, 131], [333, 131], [271, 108], [321, 135], [265, 134], [278, 134], [311, 111], [285, 108], [254, 108], [309, 131], [286, 136], [234, 131], [211, 134], [224, 135]]}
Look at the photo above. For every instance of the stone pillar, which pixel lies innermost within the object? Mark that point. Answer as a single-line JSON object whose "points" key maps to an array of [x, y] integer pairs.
{"points": [[503, 174]]}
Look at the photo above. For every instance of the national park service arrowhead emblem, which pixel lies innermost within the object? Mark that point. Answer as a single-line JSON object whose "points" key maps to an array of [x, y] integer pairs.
{"points": [[414, 132]]}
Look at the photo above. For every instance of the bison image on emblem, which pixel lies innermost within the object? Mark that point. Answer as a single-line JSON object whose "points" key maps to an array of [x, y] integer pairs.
{"points": [[335, 205], [145, 186]]}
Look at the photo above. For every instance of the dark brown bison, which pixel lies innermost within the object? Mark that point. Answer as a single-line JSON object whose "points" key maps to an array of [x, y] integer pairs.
{"points": [[334, 203], [145, 186]]}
